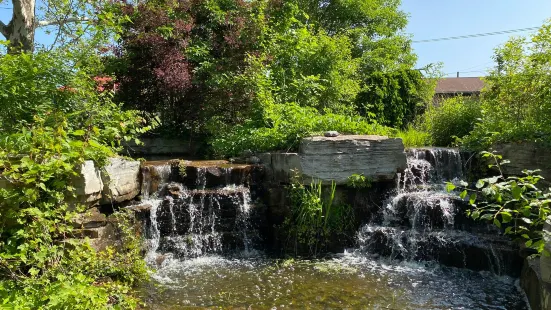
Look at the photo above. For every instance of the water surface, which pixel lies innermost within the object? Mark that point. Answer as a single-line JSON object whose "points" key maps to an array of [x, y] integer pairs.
{"points": [[346, 282]]}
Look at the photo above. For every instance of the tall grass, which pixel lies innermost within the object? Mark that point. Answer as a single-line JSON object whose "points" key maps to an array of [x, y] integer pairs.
{"points": [[413, 137]]}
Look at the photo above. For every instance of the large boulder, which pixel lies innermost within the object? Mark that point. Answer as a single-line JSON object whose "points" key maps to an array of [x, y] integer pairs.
{"points": [[120, 180], [329, 159], [88, 184], [337, 158]]}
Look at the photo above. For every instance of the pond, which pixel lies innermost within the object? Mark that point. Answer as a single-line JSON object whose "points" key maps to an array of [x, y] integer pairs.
{"points": [[348, 281]]}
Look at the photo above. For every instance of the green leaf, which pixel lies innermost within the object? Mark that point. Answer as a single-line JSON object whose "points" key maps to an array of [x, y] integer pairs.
{"points": [[486, 216], [463, 194], [506, 217], [449, 187], [480, 184], [526, 220], [79, 132], [472, 198], [497, 223], [516, 191]]}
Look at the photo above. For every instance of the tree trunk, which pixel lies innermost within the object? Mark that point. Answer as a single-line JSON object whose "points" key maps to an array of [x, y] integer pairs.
{"points": [[20, 30]]}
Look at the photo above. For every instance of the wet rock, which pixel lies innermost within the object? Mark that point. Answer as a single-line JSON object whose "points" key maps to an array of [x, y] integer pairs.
{"points": [[175, 190], [538, 292], [545, 260], [159, 260], [253, 160], [93, 218]]}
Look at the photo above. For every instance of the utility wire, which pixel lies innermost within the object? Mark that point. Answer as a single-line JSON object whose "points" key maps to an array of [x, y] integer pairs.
{"points": [[469, 36]]}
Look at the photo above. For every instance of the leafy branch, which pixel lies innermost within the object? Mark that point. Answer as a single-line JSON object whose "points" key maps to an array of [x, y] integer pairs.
{"points": [[515, 204]]}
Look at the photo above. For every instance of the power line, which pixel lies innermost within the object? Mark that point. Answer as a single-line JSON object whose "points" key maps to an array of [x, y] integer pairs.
{"points": [[468, 36]]}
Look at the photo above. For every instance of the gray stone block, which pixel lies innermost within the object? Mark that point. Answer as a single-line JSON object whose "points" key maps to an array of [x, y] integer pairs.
{"points": [[337, 158], [120, 180]]}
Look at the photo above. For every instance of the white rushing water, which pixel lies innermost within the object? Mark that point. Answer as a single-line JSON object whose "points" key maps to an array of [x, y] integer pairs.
{"points": [[193, 223], [419, 222]]}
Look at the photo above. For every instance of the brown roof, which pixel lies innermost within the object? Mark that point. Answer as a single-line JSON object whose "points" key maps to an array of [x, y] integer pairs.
{"points": [[466, 85]]}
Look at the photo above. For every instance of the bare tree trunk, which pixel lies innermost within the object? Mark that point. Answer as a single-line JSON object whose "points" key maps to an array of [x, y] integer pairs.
{"points": [[20, 30]]}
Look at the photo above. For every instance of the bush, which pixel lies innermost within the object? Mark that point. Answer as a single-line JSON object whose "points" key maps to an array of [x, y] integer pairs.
{"points": [[47, 131], [453, 119], [206, 66], [412, 137], [516, 101], [515, 204], [284, 127], [395, 98]]}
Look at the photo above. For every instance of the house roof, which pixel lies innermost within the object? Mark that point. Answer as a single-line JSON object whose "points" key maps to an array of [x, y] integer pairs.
{"points": [[465, 85]]}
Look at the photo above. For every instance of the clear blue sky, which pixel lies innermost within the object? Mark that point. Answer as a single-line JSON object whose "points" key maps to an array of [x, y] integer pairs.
{"points": [[430, 19], [444, 18]]}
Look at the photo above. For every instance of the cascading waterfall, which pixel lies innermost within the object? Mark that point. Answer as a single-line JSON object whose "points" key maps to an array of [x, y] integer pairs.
{"points": [[212, 215], [194, 222], [424, 222]]}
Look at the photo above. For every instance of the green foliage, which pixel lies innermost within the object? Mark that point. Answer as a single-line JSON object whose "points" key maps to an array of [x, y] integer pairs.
{"points": [[315, 218], [262, 74], [310, 67], [412, 137], [285, 126], [516, 102], [42, 264], [394, 98], [44, 83], [450, 120], [514, 204], [359, 181]]}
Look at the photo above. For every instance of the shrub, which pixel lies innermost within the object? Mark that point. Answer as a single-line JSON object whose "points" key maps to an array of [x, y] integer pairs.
{"points": [[514, 204], [43, 143], [453, 119], [284, 127], [412, 137], [516, 101], [394, 98]]}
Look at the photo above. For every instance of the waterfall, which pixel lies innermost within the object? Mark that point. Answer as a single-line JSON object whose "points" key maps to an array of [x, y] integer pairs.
{"points": [[192, 222], [421, 221]]}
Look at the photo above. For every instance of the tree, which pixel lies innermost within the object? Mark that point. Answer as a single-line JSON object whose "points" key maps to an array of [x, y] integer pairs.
{"points": [[516, 101], [69, 20], [185, 60]]}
